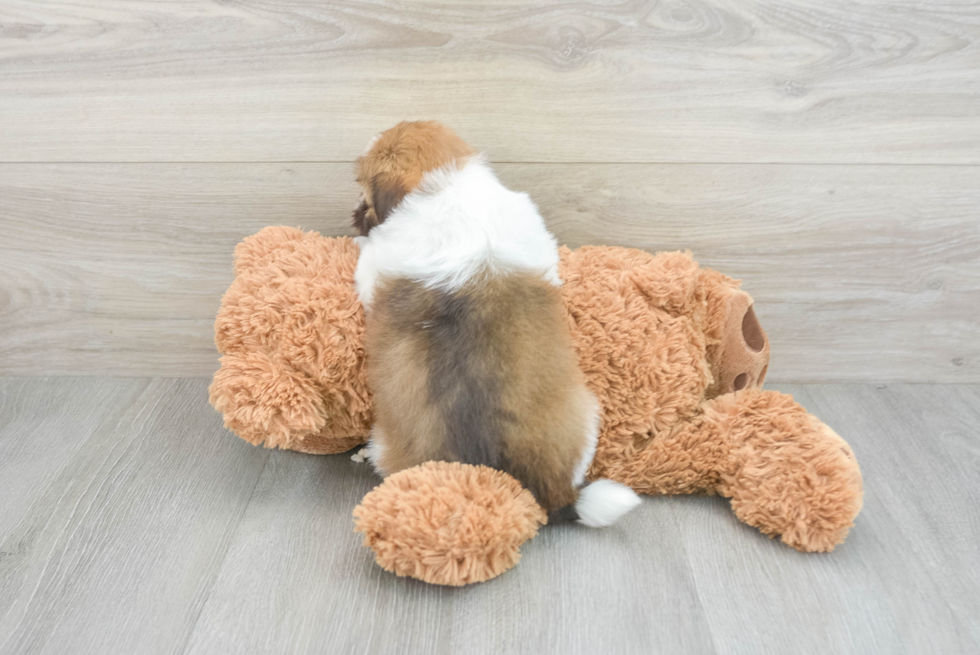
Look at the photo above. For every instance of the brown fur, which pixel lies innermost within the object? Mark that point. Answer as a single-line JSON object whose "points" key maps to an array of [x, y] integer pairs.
{"points": [[396, 163], [486, 375]]}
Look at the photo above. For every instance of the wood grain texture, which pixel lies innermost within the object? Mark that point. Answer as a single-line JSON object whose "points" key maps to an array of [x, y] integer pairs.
{"points": [[43, 425], [165, 534], [859, 273], [881, 81], [118, 542], [905, 581], [635, 592]]}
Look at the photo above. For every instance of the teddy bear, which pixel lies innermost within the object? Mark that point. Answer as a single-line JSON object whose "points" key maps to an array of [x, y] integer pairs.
{"points": [[674, 353]]}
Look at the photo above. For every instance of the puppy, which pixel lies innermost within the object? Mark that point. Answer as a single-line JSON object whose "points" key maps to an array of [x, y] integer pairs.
{"points": [[469, 354]]}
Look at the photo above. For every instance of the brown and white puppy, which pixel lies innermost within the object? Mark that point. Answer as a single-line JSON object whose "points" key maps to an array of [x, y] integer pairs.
{"points": [[469, 354]]}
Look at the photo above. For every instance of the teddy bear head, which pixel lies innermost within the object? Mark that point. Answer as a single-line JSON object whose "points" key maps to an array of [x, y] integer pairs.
{"points": [[290, 329], [656, 336]]}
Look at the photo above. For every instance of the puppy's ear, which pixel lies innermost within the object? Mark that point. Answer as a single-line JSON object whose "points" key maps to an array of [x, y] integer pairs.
{"points": [[361, 221], [386, 192]]}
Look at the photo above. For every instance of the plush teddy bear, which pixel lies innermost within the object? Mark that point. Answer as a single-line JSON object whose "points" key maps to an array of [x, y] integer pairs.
{"points": [[673, 352]]}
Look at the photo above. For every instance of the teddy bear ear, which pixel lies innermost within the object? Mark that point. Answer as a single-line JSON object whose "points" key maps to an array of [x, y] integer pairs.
{"points": [[262, 247]]}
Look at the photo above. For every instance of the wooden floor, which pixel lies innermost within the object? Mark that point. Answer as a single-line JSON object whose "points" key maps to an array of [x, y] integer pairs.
{"points": [[826, 152], [132, 522]]}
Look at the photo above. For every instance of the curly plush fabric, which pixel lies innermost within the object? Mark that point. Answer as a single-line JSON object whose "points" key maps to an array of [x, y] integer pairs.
{"points": [[448, 523], [290, 329], [670, 349], [638, 324]]}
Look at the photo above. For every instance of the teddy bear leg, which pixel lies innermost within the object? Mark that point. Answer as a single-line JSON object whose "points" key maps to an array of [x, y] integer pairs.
{"points": [[790, 475], [687, 459], [448, 523]]}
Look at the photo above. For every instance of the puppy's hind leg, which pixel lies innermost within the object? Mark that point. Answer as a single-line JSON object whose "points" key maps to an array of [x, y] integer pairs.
{"points": [[374, 451]]}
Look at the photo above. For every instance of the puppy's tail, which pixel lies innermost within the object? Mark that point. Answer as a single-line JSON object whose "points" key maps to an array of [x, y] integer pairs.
{"points": [[599, 504]]}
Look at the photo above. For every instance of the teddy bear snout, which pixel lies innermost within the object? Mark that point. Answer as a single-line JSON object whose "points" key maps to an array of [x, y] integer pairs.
{"points": [[744, 359], [752, 332], [755, 340]]}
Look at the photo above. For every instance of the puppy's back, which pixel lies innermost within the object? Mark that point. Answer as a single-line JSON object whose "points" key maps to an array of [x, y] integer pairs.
{"points": [[485, 374]]}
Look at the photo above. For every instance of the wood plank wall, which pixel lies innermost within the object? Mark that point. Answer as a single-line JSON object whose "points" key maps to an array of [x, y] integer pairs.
{"points": [[826, 153]]}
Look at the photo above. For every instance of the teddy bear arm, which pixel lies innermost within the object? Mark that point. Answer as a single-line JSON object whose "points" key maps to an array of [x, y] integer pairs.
{"points": [[787, 473], [790, 475], [689, 458]]}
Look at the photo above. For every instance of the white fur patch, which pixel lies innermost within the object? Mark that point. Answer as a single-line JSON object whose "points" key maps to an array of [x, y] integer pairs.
{"points": [[366, 273], [591, 439], [457, 223], [603, 502], [375, 450]]}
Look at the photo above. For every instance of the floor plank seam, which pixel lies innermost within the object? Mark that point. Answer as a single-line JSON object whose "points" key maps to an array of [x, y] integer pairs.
{"points": [[694, 582], [232, 534]]}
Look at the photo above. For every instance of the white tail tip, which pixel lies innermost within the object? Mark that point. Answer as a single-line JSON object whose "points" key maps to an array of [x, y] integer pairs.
{"points": [[603, 502]]}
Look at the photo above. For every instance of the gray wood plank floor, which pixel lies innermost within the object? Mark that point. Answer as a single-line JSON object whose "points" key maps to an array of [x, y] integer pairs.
{"points": [[132, 522]]}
